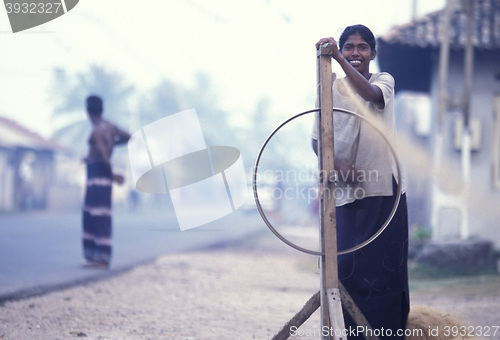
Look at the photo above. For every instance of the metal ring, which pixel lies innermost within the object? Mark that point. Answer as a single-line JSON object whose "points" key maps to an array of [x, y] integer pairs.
{"points": [[314, 252]]}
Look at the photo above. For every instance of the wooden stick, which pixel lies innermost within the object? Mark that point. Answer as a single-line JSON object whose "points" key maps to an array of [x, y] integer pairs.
{"points": [[354, 311], [307, 310], [314, 303], [331, 307]]}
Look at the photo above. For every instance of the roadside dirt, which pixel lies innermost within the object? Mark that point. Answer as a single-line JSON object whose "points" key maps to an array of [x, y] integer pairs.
{"points": [[237, 292]]}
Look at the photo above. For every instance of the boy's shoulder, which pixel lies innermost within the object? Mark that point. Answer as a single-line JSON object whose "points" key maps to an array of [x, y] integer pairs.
{"points": [[383, 79], [381, 76]]}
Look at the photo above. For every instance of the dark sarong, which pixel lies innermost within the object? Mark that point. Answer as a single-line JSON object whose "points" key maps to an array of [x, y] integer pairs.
{"points": [[97, 214], [375, 276]]}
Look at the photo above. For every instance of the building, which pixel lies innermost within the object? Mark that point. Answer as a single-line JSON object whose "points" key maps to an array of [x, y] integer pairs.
{"points": [[461, 181], [26, 167]]}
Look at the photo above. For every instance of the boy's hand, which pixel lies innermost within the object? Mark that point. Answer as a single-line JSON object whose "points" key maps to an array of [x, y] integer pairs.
{"points": [[335, 53], [118, 179]]}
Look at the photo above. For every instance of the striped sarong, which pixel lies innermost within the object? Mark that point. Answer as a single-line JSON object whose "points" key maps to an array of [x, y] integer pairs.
{"points": [[97, 214]]}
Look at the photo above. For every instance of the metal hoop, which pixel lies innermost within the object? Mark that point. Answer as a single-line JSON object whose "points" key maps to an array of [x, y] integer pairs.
{"points": [[314, 252]]}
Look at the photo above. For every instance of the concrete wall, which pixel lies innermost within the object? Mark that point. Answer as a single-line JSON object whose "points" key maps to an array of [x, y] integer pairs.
{"points": [[6, 181], [483, 214]]}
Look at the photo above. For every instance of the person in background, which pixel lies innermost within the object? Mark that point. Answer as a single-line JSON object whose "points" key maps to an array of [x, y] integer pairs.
{"points": [[97, 211]]}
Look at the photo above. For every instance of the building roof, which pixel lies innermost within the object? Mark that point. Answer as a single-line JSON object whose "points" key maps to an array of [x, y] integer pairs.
{"points": [[14, 135], [426, 31]]}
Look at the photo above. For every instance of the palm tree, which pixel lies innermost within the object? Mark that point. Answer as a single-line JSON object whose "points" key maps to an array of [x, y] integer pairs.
{"points": [[69, 93]]}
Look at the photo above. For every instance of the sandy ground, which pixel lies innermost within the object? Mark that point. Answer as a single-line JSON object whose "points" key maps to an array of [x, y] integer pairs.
{"points": [[236, 292]]}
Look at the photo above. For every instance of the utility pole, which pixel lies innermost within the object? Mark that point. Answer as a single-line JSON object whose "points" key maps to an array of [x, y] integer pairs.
{"points": [[440, 197], [414, 10], [466, 133]]}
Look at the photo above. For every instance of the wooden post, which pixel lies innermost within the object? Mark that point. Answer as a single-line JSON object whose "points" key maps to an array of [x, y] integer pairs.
{"points": [[331, 307], [309, 308], [444, 58], [466, 133]]}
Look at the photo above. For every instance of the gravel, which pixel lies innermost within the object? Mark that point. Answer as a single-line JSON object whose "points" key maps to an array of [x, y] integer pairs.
{"points": [[235, 292]]}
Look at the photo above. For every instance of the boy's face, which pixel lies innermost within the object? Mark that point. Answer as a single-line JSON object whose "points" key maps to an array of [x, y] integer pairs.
{"points": [[358, 53]]}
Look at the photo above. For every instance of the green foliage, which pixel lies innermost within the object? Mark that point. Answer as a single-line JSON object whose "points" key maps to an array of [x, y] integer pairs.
{"points": [[420, 234], [427, 271], [168, 98]]}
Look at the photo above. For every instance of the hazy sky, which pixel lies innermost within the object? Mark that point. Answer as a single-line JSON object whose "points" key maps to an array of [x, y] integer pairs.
{"points": [[251, 49]]}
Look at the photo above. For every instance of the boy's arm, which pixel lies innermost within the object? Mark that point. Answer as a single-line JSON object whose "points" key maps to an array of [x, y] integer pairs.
{"points": [[367, 91], [121, 136], [315, 146]]}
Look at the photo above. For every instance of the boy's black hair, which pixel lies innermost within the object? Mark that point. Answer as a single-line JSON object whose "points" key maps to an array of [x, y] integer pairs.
{"points": [[362, 30], [94, 105]]}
